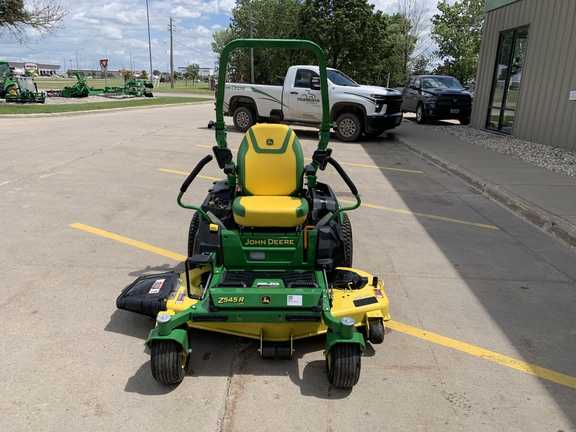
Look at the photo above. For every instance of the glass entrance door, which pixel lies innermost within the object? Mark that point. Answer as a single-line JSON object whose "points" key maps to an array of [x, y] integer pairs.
{"points": [[507, 77]]}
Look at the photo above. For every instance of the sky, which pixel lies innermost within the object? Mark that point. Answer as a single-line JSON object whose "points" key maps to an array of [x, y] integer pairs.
{"points": [[117, 31]]}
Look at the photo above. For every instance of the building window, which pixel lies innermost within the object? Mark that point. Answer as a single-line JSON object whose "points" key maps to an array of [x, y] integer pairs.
{"points": [[507, 77]]}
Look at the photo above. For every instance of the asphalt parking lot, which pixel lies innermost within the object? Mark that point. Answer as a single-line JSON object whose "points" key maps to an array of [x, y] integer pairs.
{"points": [[482, 336]]}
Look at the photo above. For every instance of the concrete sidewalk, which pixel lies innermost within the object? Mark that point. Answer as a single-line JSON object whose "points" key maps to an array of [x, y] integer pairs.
{"points": [[545, 198]]}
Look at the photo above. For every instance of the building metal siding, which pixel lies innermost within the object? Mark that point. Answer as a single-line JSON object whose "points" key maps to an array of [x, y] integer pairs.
{"points": [[544, 113]]}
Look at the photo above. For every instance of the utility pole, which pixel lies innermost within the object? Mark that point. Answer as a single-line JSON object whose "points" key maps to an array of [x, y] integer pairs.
{"points": [[149, 43], [171, 28]]}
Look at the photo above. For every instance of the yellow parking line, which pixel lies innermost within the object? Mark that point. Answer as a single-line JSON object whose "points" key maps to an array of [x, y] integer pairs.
{"points": [[185, 173], [128, 241], [390, 209], [522, 366], [429, 216], [540, 372]]}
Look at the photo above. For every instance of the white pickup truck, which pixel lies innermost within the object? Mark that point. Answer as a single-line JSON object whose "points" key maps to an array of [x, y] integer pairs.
{"points": [[354, 108]]}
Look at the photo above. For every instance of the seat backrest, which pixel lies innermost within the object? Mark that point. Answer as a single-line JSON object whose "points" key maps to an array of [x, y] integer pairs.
{"points": [[270, 161]]}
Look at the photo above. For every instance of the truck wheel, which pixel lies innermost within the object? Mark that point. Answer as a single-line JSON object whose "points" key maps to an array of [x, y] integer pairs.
{"points": [[243, 119], [348, 127], [343, 364], [420, 116], [168, 361], [465, 121]]}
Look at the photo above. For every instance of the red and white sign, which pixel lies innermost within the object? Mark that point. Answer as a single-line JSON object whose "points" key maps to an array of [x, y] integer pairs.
{"points": [[104, 63]]}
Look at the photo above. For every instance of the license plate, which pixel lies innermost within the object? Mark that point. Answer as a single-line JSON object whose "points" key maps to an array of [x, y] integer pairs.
{"points": [[454, 111]]}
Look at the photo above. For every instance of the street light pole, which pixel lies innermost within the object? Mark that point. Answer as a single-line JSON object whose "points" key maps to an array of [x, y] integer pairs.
{"points": [[130, 51], [79, 49], [149, 40]]}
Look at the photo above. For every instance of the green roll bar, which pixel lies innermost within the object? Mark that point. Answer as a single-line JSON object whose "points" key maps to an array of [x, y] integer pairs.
{"points": [[272, 43]]}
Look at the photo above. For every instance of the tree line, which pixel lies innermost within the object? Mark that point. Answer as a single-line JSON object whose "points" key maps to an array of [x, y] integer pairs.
{"points": [[370, 46]]}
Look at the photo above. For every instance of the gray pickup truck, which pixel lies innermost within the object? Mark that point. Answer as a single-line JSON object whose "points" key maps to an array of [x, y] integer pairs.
{"points": [[437, 97]]}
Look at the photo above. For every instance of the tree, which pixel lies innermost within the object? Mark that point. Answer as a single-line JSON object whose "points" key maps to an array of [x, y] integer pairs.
{"points": [[262, 19], [192, 72], [127, 75], [43, 16], [355, 39], [143, 74], [458, 32], [412, 24]]}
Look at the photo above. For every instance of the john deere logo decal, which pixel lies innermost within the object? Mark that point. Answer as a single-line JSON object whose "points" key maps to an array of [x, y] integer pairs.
{"points": [[269, 141], [266, 300]]}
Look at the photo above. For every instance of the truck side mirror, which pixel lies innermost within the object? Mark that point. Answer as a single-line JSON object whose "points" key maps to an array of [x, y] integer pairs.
{"points": [[315, 83]]}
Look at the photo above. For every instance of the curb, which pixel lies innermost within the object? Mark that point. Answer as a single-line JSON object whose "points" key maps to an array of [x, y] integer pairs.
{"points": [[546, 221]]}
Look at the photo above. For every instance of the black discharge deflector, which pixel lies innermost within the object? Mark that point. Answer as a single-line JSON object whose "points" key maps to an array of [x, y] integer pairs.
{"points": [[147, 295]]}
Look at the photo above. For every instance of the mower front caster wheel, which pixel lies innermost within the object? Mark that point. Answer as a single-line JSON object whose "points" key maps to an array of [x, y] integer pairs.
{"points": [[376, 333], [169, 361], [343, 364]]}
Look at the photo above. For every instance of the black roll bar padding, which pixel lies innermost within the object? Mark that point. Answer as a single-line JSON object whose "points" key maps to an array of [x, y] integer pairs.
{"points": [[195, 172], [320, 157], [223, 156], [343, 174]]}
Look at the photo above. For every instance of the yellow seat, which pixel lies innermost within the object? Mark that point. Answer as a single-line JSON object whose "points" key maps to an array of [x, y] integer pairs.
{"points": [[270, 167]]}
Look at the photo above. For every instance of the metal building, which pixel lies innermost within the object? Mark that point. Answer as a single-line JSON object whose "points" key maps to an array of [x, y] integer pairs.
{"points": [[526, 79]]}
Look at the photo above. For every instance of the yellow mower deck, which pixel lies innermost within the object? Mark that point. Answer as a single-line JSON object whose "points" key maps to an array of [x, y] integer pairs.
{"points": [[363, 305]]}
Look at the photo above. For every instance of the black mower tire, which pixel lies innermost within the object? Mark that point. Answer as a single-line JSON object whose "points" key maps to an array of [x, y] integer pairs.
{"points": [[376, 332], [12, 90], [168, 361], [348, 127], [348, 243], [194, 224], [243, 118], [465, 121], [343, 363]]}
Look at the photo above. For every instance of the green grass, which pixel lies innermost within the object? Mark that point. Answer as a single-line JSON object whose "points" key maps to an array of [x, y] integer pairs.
{"points": [[99, 83], [32, 108]]}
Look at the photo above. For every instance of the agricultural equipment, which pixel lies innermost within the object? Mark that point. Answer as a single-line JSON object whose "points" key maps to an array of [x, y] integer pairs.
{"points": [[269, 252], [18, 89], [132, 88], [79, 89]]}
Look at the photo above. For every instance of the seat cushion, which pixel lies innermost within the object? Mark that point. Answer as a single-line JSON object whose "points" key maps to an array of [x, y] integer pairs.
{"points": [[270, 211]]}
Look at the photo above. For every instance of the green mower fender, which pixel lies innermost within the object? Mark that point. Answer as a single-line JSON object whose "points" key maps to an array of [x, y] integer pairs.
{"points": [[179, 336], [168, 329], [333, 338]]}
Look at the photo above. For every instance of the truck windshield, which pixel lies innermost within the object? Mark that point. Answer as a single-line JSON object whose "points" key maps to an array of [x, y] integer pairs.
{"points": [[441, 82], [338, 78]]}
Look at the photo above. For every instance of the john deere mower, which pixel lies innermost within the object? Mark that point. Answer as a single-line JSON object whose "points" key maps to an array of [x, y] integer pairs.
{"points": [[269, 253], [18, 90]]}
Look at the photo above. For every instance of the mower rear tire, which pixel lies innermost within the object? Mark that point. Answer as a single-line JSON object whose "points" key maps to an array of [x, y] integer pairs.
{"points": [[343, 363], [169, 361], [348, 243], [194, 224]]}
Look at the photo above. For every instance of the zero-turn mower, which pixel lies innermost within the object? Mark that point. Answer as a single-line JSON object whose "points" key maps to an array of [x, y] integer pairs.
{"points": [[269, 253]]}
